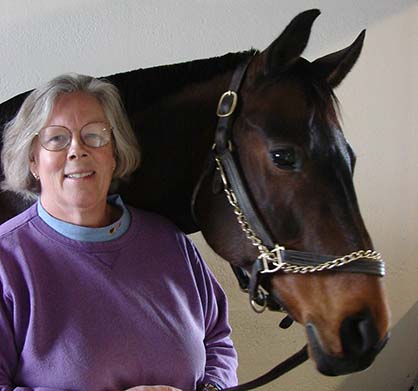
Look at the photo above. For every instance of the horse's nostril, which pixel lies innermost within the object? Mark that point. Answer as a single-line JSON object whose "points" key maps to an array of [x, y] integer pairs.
{"points": [[358, 334]]}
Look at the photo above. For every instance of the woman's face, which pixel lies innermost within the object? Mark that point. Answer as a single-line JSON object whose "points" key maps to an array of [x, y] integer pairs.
{"points": [[75, 180]]}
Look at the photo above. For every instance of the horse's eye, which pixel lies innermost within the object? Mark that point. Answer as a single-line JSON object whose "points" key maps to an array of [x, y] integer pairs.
{"points": [[284, 158]]}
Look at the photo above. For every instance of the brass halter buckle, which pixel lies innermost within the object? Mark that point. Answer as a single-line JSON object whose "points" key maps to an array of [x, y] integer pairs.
{"points": [[224, 101]]}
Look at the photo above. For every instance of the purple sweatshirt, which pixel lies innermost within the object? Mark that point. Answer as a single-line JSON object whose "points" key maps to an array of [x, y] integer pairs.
{"points": [[142, 309]]}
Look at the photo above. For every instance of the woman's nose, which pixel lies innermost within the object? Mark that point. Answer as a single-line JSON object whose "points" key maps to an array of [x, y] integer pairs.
{"points": [[77, 149]]}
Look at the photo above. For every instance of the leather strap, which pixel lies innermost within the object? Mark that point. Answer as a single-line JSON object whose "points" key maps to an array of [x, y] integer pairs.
{"points": [[246, 204], [226, 105], [279, 370], [208, 168], [361, 265]]}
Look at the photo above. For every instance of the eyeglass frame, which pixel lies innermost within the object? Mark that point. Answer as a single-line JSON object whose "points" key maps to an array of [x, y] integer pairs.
{"points": [[108, 128]]}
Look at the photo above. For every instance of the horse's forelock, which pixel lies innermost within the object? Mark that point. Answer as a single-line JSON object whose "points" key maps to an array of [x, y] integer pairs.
{"points": [[323, 107]]}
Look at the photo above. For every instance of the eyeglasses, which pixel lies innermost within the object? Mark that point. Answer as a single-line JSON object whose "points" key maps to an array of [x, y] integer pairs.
{"points": [[56, 138]]}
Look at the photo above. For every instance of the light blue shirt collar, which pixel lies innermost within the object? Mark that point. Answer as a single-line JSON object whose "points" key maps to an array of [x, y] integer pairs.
{"points": [[88, 234]]}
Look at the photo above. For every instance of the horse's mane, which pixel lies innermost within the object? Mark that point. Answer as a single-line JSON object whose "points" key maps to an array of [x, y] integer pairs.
{"points": [[156, 82]]}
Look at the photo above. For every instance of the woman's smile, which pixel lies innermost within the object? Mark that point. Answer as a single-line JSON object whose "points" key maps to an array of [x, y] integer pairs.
{"points": [[79, 175]]}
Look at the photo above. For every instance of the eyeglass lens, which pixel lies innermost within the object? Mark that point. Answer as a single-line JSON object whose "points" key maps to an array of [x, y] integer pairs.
{"points": [[56, 138]]}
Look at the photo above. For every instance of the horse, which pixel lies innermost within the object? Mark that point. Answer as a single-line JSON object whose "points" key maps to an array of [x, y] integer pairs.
{"points": [[284, 135]]}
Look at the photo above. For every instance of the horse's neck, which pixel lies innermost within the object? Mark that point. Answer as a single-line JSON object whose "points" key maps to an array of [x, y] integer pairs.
{"points": [[175, 130]]}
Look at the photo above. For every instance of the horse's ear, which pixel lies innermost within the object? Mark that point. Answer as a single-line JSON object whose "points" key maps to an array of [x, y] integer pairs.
{"points": [[335, 66], [288, 47]]}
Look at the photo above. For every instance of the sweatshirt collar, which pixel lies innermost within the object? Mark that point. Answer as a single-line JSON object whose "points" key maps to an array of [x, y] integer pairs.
{"points": [[88, 234]]}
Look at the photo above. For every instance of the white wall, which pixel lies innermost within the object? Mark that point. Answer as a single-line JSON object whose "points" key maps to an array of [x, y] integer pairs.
{"points": [[42, 38]]}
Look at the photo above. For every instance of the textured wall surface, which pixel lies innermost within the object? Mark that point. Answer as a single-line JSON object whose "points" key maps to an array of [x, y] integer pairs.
{"points": [[380, 110]]}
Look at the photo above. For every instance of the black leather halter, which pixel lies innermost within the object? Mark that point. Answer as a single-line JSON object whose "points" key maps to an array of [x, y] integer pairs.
{"points": [[287, 261]]}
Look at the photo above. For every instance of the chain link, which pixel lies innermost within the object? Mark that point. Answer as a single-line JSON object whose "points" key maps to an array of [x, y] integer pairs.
{"points": [[338, 262], [274, 256], [242, 220]]}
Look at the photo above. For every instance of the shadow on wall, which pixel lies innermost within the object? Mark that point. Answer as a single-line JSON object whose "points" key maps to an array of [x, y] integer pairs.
{"points": [[384, 374]]}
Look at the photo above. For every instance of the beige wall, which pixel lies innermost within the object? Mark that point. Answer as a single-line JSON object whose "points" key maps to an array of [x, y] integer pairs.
{"points": [[379, 98]]}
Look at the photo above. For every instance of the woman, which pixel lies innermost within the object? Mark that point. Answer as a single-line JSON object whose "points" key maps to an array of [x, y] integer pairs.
{"points": [[95, 295]]}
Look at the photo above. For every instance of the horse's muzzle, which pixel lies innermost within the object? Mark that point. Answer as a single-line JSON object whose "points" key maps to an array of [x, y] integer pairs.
{"points": [[360, 342]]}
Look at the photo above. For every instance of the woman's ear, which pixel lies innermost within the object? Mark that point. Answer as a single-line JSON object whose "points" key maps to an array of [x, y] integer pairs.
{"points": [[33, 166]]}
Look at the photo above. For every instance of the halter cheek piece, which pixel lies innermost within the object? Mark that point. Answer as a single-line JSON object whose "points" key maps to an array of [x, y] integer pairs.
{"points": [[272, 257]]}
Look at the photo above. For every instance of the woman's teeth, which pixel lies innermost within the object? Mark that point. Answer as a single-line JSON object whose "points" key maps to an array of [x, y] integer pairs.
{"points": [[79, 175]]}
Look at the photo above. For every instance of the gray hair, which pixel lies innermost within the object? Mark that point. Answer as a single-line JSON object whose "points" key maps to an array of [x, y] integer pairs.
{"points": [[20, 132]]}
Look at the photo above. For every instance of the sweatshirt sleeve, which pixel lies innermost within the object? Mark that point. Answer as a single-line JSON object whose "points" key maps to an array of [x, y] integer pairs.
{"points": [[9, 356], [221, 357]]}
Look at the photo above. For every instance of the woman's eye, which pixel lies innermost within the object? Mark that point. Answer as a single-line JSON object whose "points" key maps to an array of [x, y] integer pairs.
{"points": [[284, 158], [91, 136], [57, 139]]}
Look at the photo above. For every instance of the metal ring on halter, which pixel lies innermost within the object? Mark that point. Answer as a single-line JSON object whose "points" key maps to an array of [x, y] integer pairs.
{"points": [[257, 307], [230, 147], [230, 109]]}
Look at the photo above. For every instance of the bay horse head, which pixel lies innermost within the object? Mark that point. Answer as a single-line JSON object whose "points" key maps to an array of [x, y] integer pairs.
{"points": [[298, 170]]}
